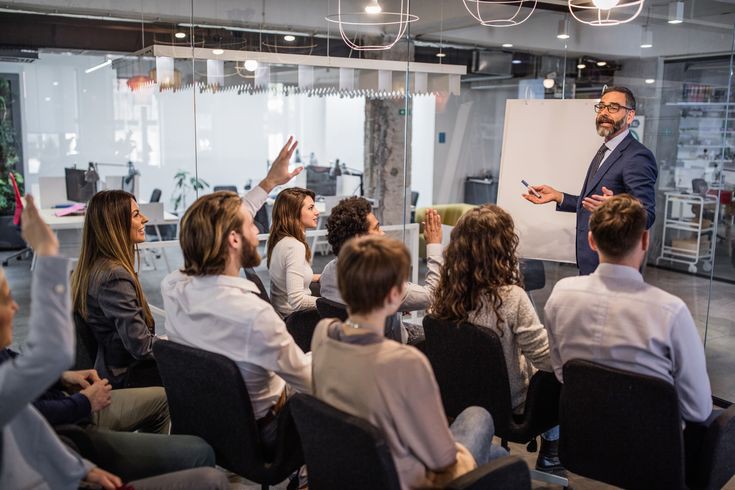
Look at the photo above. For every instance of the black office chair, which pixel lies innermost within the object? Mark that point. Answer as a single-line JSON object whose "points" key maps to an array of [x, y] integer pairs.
{"points": [[86, 344], [231, 188], [251, 275], [207, 397], [331, 309], [301, 324], [344, 451], [155, 196], [624, 429], [261, 220], [470, 369]]}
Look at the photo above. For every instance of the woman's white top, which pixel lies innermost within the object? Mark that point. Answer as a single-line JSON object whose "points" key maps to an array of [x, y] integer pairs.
{"points": [[291, 276]]}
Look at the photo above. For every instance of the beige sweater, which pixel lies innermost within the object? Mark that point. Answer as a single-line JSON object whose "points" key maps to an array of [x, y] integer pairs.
{"points": [[524, 338], [392, 386]]}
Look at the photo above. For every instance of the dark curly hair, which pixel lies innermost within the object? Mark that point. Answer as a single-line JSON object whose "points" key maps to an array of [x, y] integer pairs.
{"points": [[348, 219], [478, 263]]}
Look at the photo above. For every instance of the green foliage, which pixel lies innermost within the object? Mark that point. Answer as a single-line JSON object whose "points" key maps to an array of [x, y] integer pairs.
{"points": [[184, 183], [8, 152]]}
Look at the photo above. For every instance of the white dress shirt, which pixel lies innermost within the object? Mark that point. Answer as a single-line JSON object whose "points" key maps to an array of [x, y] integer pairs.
{"points": [[612, 144], [224, 314], [291, 276], [614, 318]]}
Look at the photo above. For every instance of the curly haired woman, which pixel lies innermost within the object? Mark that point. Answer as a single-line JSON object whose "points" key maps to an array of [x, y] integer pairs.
{"points": [[481, 283]]}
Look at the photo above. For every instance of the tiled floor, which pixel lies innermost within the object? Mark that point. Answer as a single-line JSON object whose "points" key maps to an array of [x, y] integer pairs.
{"points": [[717, 301]]}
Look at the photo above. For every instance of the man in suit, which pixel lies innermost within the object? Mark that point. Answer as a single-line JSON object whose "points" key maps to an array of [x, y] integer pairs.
{"points": [[621, 165]]}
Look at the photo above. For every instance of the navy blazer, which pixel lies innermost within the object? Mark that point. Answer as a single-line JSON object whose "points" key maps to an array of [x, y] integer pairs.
{"points": [[630, 168]]}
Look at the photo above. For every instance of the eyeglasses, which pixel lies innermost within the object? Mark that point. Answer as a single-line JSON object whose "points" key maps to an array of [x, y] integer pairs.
{"points": [[612, 107]]}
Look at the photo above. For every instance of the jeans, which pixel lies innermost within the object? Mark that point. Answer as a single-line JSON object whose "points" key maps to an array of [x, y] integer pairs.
{"points": [[474, 429], [135, 455], [551, 434]]}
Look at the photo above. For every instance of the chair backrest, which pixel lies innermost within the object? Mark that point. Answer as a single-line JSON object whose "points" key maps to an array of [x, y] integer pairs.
{"points": [[232, 188], [86, 351], [699, 186], [301, 324], [155, 196], [620, 427], [261, 220], [469, 366], [534, 275], [341, 450], [414, 197], [207, 397], [251, 275], [331, 309]]}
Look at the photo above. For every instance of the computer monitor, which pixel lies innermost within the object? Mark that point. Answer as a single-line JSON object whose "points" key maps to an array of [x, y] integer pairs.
{"points": [[77, 187]]}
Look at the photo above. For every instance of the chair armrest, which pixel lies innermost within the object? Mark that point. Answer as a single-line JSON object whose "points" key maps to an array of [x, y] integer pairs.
{"points": [[510, 472], [716, 463]]}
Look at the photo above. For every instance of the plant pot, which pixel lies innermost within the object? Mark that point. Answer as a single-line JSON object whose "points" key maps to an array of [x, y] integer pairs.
{"points": [[10, 238]]}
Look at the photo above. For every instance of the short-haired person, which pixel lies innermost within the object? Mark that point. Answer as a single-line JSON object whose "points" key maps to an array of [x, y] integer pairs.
{"points": [[108, 295], [389, 384], [481, 283], [621, 165], [31, 455], [289, 255], [614, 318], [353, 217], [210, 306]]}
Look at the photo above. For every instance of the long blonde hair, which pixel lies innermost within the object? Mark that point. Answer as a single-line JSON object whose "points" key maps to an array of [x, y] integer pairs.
{"points": [[106, 243], [287, 219], [479, 261]]}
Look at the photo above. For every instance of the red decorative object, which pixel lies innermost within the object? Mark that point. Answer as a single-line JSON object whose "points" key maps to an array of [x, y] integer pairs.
{"points": [[139, 81]]}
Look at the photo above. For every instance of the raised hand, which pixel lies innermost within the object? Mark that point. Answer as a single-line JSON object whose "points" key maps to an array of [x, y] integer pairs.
{"points": [[547, 193], [278, 173], [432, 227], [36, 232]]}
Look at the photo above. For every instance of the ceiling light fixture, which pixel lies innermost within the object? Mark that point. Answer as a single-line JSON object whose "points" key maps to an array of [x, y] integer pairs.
{"points": [[646, 39], [289, 38], [650, 81], [549, 83], [676, 12], [251, 65], [180, 35], [507, 45], [373, 8], [605, 12], [602, 63], [441, 55], [95, 68], [581, 66], [500, 8], [516, 62], [563, 31], [398, 20], [218, 51]]}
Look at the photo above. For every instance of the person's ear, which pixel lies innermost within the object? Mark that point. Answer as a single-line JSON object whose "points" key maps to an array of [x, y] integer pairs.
{"points": [[234, 239], [591, 241], [645, 240], [395, 297], [631, 116]]}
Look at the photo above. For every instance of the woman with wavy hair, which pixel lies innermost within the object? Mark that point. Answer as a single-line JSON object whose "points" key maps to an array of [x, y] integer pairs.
{"points": [[289, 255], [107, 294], [481, 283]]}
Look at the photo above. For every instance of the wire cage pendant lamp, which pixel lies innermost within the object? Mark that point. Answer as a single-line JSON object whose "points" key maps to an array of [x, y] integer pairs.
{"points": [[505, 13], [605, 12], [373, 16]]}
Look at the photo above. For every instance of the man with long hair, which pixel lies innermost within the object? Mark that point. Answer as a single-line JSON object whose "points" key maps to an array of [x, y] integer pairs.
{"points": [[210, 306]]}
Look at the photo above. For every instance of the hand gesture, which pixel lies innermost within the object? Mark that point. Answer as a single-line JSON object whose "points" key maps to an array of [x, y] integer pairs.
{"points": [[36, 232], [278, 173], [106, 480], [98, 394], [547, 193], [432, 227], [79, 379], [594, 201]]}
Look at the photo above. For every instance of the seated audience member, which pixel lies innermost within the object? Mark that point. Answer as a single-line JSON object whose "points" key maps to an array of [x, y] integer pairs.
{"points": [[289, 255], [613, 317], [354, 217], [108, 295], [32, 455], [391, 385], [480, 283], [209, 306]]}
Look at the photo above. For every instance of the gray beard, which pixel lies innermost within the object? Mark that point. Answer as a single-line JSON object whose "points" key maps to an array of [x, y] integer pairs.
{"points": [[605, 132]]}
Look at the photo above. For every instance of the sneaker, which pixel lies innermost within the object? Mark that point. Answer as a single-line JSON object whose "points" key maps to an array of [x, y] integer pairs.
{"points": [[548, 458]]}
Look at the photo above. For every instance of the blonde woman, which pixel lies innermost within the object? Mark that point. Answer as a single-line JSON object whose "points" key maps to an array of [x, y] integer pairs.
{"points": [[107, 294], [289, 256]]}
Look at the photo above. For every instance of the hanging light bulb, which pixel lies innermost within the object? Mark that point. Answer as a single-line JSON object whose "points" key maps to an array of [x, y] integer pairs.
{"points": [[647, 39], [251, 65], [373, 8], [676, 13], [605, 4], [563, 32]]}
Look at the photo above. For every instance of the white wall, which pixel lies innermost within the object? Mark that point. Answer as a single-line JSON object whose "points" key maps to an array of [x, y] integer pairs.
{"points": [[422, 148], [71, 117]]}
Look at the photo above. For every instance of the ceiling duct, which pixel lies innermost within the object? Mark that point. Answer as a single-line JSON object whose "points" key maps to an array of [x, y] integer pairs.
{"points": [[18, 55]]}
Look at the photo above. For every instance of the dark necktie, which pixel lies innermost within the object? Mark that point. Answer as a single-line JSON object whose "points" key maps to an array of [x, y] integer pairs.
{"points": [[598, 158]]}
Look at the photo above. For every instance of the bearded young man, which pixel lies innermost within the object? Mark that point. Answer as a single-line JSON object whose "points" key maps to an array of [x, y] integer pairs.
{"points": [[211, 307], [621, 165]]}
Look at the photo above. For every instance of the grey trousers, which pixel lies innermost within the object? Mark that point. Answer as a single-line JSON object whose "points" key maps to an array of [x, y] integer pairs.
{"points": [[195, 479]]}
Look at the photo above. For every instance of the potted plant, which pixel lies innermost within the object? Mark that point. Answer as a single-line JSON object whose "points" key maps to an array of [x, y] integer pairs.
{"points": [[9, 233], [184, 183]]}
